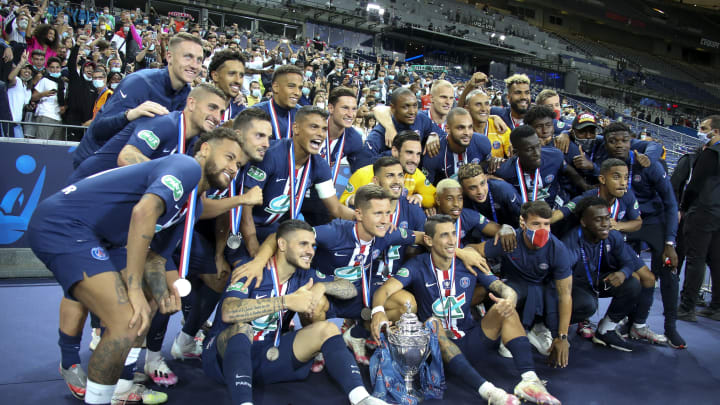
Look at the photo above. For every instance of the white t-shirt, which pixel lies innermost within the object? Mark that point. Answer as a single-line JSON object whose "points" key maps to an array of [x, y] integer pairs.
{"points": [[47, 106], [18, 96], [256, 63]]}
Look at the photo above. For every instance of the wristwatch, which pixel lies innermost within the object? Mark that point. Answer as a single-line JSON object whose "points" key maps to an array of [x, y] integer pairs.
{"points": [[563, 336], [669, 243]]}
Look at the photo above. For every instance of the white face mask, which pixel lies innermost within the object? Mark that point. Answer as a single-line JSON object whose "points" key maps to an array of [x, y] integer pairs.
{"points": [[705, 138], [321, 105]]}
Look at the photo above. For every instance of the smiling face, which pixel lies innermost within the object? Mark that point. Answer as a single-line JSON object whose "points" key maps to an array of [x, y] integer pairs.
{"points": [[405, 109], [375, 217], [229, 77], [391, 178], [310, 133], [442, 99], [343, 112], [596, 221], [287, 90], [479, 108], [450, 202], [461, 130], [476, 188], [443, 243], [519, 97], [298, 248], [529, 152], [185, 60], [409, 155], [206, 111], [222, 162]]}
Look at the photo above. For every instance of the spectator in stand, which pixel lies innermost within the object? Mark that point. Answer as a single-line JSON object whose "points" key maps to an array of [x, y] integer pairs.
{"points": [[46, 39], [50, 95], [17, 24], [100, 82], [255, 94], [19, 91], [80, 86]]}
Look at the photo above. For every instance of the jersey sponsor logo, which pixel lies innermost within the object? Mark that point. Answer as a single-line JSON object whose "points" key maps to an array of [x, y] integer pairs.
{"points": [[174, 185], [496, 145], [403, 272], [239, 286], [570, 206], [403, 232], [319, 275], [257, 173], [453, 305], [278, 205], [98, 253], [350, 273], [465, 282], [543, 266], [267, 323], [150, 138]]}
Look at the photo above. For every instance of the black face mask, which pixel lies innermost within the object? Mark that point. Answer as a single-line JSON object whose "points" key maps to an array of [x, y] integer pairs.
{"points": [[587, 144]]}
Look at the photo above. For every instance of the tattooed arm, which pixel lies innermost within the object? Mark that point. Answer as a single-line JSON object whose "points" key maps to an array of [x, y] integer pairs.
{"points": [[502, 290], [340, 288], [129, 155], [142, 229], [158, 286], [236, 310]]}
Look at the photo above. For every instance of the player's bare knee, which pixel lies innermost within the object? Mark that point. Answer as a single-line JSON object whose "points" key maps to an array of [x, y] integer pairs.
{"points": [[326, 330], [401, 299]]}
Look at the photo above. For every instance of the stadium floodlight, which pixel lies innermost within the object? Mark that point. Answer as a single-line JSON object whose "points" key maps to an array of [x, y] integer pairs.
{"points": [[502, 37], [492, 35], [375, 7]]}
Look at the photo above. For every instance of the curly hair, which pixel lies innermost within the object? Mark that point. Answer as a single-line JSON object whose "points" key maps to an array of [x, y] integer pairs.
{"points": [[40, 35]]}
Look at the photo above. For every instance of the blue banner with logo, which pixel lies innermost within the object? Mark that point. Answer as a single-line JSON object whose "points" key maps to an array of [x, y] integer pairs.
{"points": [[34, 170], [31, 171]]}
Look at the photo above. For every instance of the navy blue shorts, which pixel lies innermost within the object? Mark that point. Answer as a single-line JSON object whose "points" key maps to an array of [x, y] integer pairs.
{"points": [[285, 368], [202, 256], [475, 344], [72, 267]]}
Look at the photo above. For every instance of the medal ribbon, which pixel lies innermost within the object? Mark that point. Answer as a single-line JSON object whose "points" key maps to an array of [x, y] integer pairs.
{"points": [[328, 156], [187, 234], [297, 195], [276, 127], [442, 126], [365, 275], [236, 212], [228, 113], [614, 209], [630, 178], [278, 291], [445, 293], [457, 157], [521, 180], [181, 134], [585, 260], [492, 204]]}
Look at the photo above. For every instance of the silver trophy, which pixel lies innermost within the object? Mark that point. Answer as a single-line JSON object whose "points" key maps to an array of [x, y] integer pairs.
{"points": [[409, 341]]}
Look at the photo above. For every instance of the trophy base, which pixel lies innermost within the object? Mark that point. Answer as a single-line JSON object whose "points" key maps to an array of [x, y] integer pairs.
{"points": [[415, 394]]}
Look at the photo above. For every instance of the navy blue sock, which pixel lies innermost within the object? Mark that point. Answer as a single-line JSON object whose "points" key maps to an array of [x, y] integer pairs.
{"points": [[94, 321], [187, 303], [156, 332], [69, 349], [522, 355], [340, 364], [359, 331], [204, 305], [460, 366], [642, 309], [237, 369]]}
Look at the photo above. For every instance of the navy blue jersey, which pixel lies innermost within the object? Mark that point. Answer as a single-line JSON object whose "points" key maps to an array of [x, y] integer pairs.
{"points": [[144, 85], [653, 150], [426, 282], [272, 175], [100, 207], [281, 121], [232, 110], [504, 113], [616, 256], [409, 217], [551, 166], [351, 149], [552, 261], [375, 141], [627, 208], [446, 163], [341, 254], [155, 137], [561, 126], [502, 204], [265, 326], [472, 224], [654, 192]]}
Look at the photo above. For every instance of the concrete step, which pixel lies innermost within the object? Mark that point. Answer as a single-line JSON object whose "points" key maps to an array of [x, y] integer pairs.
{"points": [[21, 263]]}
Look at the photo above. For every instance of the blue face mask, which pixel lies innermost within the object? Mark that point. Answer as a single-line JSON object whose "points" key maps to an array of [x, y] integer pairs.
{"points": [[391, 77], [115, 69], [55, 75], [146, 22], [293, 60], [351, 65], [308, 74], [99, 84], [305, 91], [377, 94]]}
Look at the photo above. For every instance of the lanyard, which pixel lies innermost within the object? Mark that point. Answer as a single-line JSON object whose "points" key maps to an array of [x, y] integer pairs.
{"points": [[442, 126], [297, 194], [187, 234], [459, 159], [492, 204], [630, 177], [585, 260], [458, 230], [236, 212], [360, 261], [537, 182], [228, 113], [276, 127], [445, 290], [328, 155], [278, 291], [181, 134], [614, 209]]}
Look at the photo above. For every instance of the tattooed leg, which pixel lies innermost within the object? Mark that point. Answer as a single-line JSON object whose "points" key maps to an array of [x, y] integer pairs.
{"points": [[236, 329]]}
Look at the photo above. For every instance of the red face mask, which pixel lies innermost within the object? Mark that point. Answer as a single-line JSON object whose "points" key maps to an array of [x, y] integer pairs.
{"points": [[539, 237], [557, 114]]}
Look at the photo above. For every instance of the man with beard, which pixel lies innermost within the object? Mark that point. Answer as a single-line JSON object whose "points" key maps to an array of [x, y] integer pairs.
{"points": [[238, 353], [460, 147], [343, 142], [82, 234], [659, 228], [287, 83], [226, 70], [150, 138], [497, 200], [147, 93], [406, 148], [518, 90], [290, 167]]}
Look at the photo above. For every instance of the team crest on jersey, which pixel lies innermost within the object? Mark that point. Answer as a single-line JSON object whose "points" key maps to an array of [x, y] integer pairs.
{"points": [[570, 206], [256, 173], [465, 282], [319, 275], [278, 205], [621, 215], [549, 178], [543, 266], [174, 185], [403, 272], [475, 161], [637, 178], [98, 253], [496, 145], [239, 286], [560, 124], [403, 225], [376, 254], [403, 232], [637, 205], [150, 138], [427, 182]]}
